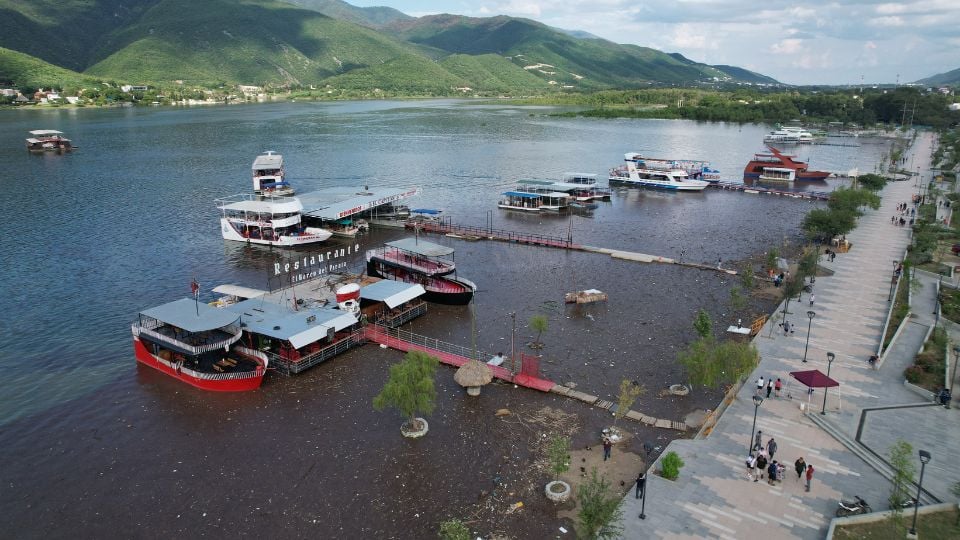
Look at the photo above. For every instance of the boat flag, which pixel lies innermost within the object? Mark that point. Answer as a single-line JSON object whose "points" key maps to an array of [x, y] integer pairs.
{"points": [[195, 289]]}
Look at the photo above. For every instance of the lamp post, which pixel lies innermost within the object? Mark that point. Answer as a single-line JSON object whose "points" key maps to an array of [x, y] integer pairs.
{"points": [[924, 458], [811, 315], [757, 400], [643, 503], [953, 370], [513, 343], [830, 357]]}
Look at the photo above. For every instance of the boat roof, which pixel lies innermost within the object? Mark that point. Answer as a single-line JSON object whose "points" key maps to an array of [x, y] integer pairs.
{"points": [[42, 132], [246, 202], [278, 321], [191, 315], [535, 182], [421, 247], [428, 211], [340, 202], [268, 161], [523, 194], [239, 291], [579, 175], [392, 293]]}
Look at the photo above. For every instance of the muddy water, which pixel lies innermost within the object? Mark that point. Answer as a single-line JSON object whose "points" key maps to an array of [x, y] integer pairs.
{"points": [[94, 444]]}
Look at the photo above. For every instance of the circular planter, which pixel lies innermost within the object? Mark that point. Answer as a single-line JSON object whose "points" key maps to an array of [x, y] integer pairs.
{"points": [[679, 389], [473, 390], [562, 492], [411, 433]]}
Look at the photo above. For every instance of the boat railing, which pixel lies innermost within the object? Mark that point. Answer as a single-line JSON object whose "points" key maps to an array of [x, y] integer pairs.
{"points": [[290, 366], [444, 227], [229, 375], [393, 319], [149, 329]]}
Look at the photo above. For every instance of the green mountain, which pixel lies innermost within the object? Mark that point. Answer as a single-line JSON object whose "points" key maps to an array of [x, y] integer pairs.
{"points": [[373, 17], [745, 75], [943, 79], [29, 72], [552, 54], [270, 42]]}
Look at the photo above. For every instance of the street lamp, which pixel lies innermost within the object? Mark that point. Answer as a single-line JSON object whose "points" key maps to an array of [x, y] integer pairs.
{"points": [[893, 280], [830, 357], [811, 315], [643, 503], [757, 400], [924, 458], [953, 371]]}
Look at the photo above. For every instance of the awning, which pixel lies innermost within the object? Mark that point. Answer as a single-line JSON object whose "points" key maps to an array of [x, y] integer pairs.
{"points": [[522, 195], [392, 293], [814, 379], [239, 291], [421, 247], [428, 211]]}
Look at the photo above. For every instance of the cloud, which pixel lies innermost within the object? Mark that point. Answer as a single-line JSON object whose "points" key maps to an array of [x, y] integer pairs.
{"points": [[787, 46]]}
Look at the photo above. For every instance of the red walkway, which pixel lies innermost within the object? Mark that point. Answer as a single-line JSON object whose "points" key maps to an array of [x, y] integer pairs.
{"points": [[379, 335]]}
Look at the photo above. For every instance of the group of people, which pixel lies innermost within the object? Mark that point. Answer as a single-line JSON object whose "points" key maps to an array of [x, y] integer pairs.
{"points": [[904, 215], [761, 461], [771, 386]]}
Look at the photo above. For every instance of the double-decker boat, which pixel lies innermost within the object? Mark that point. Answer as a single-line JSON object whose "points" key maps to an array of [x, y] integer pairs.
{"points": [[416, 261], [48, 140], [778, 167], [268, 175], [199, 345], [273, 221], [790, 135], [632, 174], [695, 169]]}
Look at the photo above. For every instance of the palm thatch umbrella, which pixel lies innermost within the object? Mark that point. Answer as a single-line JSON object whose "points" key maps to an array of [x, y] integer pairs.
{"points": [[472, 376]]}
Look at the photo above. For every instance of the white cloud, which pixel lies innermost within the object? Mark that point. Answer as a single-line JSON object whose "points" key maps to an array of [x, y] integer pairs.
{"points": [[787, 46]]}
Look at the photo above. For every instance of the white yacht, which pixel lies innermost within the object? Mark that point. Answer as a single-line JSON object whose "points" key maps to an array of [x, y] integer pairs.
{"points": [[672, 179], [268, 175], [272, 221]]}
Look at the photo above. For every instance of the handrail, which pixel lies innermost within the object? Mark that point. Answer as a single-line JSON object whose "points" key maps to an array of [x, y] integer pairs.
{"points": [[432, 343], [257, 372], [138, 329]]}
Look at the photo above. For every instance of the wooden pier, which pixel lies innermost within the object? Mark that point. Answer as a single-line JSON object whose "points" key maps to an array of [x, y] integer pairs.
{"points": [[737, 186]]}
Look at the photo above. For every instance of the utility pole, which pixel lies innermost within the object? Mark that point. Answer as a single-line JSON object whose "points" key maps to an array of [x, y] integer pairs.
{"points": [[513, 344]]}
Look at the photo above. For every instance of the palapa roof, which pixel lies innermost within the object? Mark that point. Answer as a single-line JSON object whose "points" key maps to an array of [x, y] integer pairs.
{"points": [[473, 373]]}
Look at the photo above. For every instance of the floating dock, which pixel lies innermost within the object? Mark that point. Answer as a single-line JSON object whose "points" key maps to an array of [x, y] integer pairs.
{"points": [[337, 203], [737, 186]]}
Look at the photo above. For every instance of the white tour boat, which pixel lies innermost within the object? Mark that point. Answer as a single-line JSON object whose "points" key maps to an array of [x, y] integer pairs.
{"points": [[268, 175], [530, 199], [672, 179], [272, 221]]}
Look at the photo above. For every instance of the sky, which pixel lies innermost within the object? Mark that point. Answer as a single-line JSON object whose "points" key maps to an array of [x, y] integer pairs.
{"points": [[811, 42]]}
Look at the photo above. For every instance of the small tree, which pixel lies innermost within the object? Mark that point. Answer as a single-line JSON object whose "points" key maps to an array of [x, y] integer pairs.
{"points": [[600, 509], [670, 465], [738, 302], [410, 387], [791, 288], [901, 460], [702, 324], [629, 392], [713, 364], [808, 264], [746, 276], [538, 323], [454, 529], [772, 255], [558, 454]]}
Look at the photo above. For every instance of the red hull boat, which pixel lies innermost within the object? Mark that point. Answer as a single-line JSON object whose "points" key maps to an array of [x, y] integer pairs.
{"points": [[777, 166]]}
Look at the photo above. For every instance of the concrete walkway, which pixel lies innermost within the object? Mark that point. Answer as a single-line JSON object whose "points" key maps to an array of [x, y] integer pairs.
{"points": [[712, 498]]}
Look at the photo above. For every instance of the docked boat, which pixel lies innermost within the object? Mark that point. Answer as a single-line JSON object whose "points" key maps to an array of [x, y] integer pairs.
{"points": [[531, 198], [268, 176], [48, 140], [199, 345], [582, 187], [779, 167], [424, 263], [272, 221], [790, 135], [671, 179], [347, 228], [695, 169]]}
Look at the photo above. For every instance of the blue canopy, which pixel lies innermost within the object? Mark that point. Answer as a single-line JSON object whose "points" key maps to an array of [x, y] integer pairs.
{"points": [[426, 211], [274, 184], [522, 195]]}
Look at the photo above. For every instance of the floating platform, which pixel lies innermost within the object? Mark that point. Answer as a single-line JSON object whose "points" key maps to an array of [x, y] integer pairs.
{"points": [[585, 297], [737, 186], [340, 202]]}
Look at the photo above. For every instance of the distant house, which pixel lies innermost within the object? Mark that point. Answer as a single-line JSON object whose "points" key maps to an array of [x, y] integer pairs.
{"points": [[72, 100], [248, 89], [8, 92], [133, 88], [954, 106]]}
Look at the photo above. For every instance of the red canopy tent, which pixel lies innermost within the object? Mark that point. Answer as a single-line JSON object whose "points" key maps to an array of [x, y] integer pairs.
{"points": [[814, 379]]}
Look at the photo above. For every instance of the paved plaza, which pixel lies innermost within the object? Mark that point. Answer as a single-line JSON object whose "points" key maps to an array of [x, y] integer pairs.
{"points": [[713, 498]]}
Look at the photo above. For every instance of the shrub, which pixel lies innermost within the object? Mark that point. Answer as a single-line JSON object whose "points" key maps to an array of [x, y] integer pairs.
{"points": [[913, 374], [454, 529], [670, 465]]}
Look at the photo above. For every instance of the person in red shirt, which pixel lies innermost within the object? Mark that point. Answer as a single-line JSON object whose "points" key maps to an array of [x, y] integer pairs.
{"points": [[809, 476]]}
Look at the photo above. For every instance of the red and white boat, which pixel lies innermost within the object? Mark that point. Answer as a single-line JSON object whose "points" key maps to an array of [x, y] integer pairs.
{"points": [[273, 221], [48, 140], [424, 263], [778, 167], [198, 345]]}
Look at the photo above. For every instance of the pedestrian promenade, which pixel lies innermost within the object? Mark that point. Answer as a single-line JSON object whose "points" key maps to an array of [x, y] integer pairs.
{"points": [[713, 498]]}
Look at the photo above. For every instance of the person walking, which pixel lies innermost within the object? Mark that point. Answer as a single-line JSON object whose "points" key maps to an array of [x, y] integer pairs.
{"points": [[641, 483], [757, 445], [772, 473], [769, 387], [607, 445], [812, 298], [751, 465], [771, 447], [761, 465], [777, 386], [809, 476], [760, 385]]}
